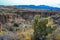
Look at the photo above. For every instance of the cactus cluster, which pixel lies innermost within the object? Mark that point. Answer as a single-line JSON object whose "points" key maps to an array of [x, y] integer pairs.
{"points": [[43, 27]]}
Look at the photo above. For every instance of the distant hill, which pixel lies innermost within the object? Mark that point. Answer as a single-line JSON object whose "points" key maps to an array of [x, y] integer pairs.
{"points": [[37, 7]]}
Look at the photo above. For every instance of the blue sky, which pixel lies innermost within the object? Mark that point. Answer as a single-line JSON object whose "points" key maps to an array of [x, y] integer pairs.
{"points": [[54, 3]]}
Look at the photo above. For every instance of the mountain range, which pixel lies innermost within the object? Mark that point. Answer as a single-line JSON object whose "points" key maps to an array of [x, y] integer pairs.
{"points": [[37, 7]]}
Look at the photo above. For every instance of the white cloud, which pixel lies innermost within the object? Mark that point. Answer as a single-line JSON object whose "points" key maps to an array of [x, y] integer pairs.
{"points": [[31, 2]]}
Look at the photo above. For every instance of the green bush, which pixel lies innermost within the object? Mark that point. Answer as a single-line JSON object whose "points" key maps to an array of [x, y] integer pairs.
{"points": [[43, 27]]}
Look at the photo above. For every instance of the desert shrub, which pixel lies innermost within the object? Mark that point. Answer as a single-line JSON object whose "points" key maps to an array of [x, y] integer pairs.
{"points": [[43, 27], [11, 29], [16, 25], [17, 29]]}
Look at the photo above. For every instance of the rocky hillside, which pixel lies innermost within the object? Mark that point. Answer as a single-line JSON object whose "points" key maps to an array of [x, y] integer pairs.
{"points": [[29, 13], [16, 21]]}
